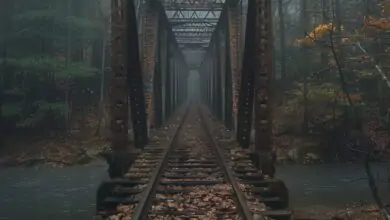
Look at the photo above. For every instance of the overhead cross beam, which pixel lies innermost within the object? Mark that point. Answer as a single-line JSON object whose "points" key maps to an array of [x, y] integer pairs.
{"points": [[188, 29], [193, 5], [206, 6], [193, 35], [181, 21], [193, 21]]}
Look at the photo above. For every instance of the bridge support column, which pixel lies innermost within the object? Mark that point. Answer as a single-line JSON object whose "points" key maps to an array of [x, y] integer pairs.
{"points": [[126, 82], [263, 77], [245, 99]]}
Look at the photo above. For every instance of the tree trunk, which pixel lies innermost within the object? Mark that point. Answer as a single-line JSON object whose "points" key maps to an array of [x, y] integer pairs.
{"points": [[282, 40], [325, 19], [304, 28], [68, 62], [102, 80], [3, 68]]}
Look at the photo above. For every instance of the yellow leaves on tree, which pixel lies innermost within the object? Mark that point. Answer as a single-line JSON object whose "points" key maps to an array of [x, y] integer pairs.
{"points": [[318, 33]]}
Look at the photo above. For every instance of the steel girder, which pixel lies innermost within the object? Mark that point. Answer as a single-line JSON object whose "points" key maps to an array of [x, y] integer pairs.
{"points": [[252, 85], [222, 92], [193, 35], [193, 19], [163, 65], [193, 29], [233, 31], [150, 37], [126, 73], [245, 100], [263, 66], [160, 57], [191, 5]]}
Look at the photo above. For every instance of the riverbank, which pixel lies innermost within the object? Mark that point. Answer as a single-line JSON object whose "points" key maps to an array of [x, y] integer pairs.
{"points": [[53, 152]]}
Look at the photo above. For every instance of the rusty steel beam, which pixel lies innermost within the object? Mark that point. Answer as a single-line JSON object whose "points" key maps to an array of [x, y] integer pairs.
{"points": [[232, 45], [178, 68], [150, 36], [126, 81], [245, 99], [136, 87], [118, 87], [263, 76]]}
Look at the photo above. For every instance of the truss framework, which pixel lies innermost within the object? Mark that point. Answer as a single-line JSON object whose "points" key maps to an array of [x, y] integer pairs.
{"points": [[193, 21], [193, 35]]}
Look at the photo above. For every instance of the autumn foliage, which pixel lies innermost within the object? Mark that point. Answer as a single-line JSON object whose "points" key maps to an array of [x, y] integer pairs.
{"points": [[318, 32], [381, 23]]}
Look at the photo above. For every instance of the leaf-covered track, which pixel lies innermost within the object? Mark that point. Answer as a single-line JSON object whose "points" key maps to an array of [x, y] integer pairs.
{"points": [[192, 177]]}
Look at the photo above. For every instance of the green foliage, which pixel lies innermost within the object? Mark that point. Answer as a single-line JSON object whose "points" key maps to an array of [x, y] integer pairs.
{"points": [[43, 64], [84, 24], [42, 110], [37, 65], [12, 109]]}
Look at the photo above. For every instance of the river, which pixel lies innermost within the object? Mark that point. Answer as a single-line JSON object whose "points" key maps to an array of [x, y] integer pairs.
{"points": [[69, 193]]}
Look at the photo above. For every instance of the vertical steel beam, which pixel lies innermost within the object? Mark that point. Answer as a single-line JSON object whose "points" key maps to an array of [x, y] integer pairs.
{"points": [[245, 100], [137, 98], [163, 93], [263, 76], [168, 91], [212, 92], [218, 77], [149, 52], [209, 82], [118, 86], [225, 97], [214, 78], [233, 74], [175, 73], [126, 81], [157, 81], [174, 92]]}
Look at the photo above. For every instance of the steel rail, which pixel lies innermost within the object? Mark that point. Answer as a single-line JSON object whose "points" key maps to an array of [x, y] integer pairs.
{"points": [[141, 209], [241, 201]]}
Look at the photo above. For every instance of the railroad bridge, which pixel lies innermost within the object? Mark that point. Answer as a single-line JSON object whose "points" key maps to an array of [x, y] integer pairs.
{"points": [[153, 49]]}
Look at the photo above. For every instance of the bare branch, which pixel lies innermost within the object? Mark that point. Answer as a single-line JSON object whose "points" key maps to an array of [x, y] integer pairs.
{"points": [[377, 65]]}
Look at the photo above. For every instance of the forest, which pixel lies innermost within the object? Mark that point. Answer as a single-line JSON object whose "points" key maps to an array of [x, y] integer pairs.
{"points": [[330, 86], [53, 74], [333, 103], [330, 68]]}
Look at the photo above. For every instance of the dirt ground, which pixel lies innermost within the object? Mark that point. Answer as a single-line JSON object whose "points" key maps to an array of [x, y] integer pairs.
{"points": [[56, 152]]}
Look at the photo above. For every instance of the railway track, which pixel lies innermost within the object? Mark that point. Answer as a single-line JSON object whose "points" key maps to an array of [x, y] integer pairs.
{"points": [[191, 177]]}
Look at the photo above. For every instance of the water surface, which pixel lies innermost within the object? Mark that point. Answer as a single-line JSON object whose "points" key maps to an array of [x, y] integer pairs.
{"points": [[69, 193]]}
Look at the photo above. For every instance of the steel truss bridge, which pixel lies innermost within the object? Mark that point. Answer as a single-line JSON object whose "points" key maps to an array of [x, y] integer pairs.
{"points": [[149, 73]]}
